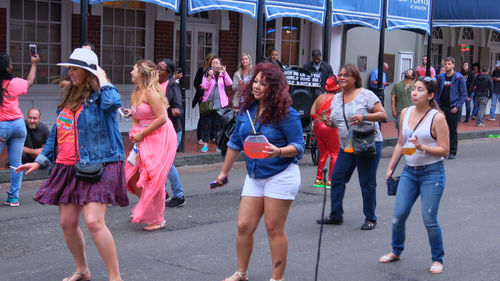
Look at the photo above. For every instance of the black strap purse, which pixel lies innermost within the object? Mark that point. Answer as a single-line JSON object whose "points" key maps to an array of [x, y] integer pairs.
{"points": [[363, 142], [90, 173]]}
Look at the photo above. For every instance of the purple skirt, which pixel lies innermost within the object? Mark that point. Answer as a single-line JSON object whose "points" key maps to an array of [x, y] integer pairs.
{"points": [[62, 187]]}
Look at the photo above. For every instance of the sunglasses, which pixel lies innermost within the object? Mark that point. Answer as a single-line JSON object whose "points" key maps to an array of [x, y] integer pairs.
{"points": [[426, 78]]}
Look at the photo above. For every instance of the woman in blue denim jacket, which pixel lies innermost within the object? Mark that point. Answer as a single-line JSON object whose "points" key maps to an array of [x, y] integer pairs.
{"points": [[86, 130], [274, 180], [425, 145]]}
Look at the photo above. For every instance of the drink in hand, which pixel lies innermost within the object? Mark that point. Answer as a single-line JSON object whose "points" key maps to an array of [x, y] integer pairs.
{"points": [[408, 149], [255, 145]]}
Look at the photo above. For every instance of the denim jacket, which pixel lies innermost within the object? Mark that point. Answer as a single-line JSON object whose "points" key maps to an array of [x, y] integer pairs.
{"points": [[287, 131], [97, 128], [458, 89]]}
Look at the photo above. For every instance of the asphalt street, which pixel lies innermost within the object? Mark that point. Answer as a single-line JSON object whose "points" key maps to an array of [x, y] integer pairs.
{"points": [[199, 243]]}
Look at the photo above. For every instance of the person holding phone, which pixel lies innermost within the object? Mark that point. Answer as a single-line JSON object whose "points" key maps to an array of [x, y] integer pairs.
{"points": [[12, 126], [85, 131], [214, 82], [272, 182]]}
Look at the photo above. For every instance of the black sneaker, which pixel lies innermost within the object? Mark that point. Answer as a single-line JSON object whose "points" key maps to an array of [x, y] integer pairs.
{"points": [[176, 202], [328, 220], [368, 225], [451, 156]]}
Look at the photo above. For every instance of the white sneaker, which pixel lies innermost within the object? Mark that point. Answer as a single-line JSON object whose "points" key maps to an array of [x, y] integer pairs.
{"points": [[490, 119]]}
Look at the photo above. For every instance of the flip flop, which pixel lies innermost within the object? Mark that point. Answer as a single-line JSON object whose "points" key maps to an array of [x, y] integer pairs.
{"points": [[388, 258], [155, 227], [436, 268]]}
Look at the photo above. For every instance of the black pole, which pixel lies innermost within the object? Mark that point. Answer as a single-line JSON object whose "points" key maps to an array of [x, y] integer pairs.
{"points": [[84, 10], [182, 64], [326, 31], [260, 30], [429, 45], [380, 90]]}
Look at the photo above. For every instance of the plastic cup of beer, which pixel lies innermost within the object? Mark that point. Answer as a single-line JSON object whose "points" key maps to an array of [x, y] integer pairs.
{"points": [[349, 148], [408, 149], [255, 145]]}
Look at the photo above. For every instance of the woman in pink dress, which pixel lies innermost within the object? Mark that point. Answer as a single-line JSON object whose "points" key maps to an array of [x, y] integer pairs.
{"points": [[157, 143]]}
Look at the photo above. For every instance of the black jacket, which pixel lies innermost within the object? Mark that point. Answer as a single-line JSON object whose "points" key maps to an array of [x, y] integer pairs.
{"points": [[198, 79], [325, 69], [174, 97], [469, 82], [484, 86]]}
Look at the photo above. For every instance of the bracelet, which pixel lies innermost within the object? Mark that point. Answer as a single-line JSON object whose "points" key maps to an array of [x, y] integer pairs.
{"points": [[280, 152], [364, 116]]}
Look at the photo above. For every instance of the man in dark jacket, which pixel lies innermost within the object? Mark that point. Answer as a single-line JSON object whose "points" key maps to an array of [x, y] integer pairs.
{"points": [[317, 65], [451, 95], [166, 68], [484, 91]]}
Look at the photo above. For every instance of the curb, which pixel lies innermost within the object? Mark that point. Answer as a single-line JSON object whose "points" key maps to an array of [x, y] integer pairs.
{"points": [[212, 158]]}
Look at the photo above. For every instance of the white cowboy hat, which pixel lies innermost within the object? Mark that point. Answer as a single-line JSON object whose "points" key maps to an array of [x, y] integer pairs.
{"points": [[83, 58]]}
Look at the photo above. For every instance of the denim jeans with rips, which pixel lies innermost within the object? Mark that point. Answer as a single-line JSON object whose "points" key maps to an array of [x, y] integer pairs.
{"points": [[426, 181], [13, 134]]}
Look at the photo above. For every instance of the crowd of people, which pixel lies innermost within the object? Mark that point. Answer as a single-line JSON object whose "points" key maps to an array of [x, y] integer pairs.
{"points": [[347, 117]]}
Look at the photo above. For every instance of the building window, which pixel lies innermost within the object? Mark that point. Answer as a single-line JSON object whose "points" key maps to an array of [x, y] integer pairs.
{"points": [[436, 55], [437, 33], [189, 44], [290, 41], [269, 37], [495, 36], [123, 38], [467, 33], [467, 51], [36, 22]]}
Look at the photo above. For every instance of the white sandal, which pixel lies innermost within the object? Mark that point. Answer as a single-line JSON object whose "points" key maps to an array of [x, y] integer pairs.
{"points": [[436, 268], [242, 276]]}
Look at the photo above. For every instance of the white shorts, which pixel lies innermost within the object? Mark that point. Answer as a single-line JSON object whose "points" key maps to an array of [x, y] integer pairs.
{"points": [[283, 185]]}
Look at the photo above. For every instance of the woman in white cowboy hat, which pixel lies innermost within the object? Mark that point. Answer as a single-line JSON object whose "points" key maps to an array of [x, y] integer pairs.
{"points": [[86, 131]]}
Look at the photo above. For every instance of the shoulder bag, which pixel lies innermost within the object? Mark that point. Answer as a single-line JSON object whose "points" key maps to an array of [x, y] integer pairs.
{"points": [[363, 142], [90, 173]]}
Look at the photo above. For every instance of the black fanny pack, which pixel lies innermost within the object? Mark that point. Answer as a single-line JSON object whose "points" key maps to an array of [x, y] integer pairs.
{"points": [[90, 173]]}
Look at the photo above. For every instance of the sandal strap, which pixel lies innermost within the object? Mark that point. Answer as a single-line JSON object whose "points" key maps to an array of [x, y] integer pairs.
{"points": [[282, 279], [243, 276]]}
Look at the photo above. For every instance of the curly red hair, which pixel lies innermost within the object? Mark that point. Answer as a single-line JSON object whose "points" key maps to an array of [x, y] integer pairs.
{"points": [[277, 100]]}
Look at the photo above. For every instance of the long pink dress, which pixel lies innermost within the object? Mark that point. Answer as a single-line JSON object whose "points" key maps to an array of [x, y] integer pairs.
{"points": [[156, 156]]}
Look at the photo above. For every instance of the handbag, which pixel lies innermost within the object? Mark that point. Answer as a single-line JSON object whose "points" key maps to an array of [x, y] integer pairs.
{"points": [[393, 182], [363, 142], [206, 107], [90, 173]]}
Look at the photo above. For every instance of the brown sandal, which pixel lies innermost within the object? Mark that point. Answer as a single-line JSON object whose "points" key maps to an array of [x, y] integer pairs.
{"points": [[155, 227], [82, 276], [242, 276]]}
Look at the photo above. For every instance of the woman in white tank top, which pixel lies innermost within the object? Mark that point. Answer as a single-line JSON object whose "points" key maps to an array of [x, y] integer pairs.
{"points": [[423, 175]]}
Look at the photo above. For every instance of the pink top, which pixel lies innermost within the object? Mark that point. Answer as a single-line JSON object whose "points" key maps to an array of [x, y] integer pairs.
{"points": [[10, 108], [164, 86], [222, 82], [66, 136], [421, 71]]}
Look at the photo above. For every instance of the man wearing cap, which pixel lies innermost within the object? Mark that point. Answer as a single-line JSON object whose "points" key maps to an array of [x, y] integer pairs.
{"points": [[401, 95], [495, 76], [318, 65]]}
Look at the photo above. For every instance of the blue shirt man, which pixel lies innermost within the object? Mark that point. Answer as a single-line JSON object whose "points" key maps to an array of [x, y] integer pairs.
{"points": [[374, 82]]}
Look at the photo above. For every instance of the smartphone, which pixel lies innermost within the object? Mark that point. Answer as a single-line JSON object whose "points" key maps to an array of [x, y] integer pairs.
{"points": [[215, 183], [122, 113], [33, 50]]}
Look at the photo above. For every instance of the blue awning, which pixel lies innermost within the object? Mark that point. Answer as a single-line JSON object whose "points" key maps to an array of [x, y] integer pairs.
{"points": [[248, 7], [467, 13], [311, 10], [359, 12], [409, 15], [171, 4]]}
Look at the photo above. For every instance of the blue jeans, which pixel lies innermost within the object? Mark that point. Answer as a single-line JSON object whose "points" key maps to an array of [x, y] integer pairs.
{"points": [[427, 181], [173, 176], [468, 106], [367, 174], [13, 133], [493, 107], [475, 107]]}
